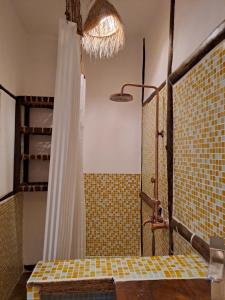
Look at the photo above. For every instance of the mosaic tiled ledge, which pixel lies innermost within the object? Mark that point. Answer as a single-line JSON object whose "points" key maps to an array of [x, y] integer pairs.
{"points": [[120, 269]]}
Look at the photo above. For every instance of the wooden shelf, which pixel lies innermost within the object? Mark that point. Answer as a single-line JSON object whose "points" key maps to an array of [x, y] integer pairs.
{"points": [[24, 130], [34, 187], [37, 102], [35, 157], [36, 130]]}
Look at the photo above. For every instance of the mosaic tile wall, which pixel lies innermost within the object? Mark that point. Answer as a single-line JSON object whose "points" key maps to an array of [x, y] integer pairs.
{"points": [[199, 146], [112, 214], [147, 233], [11, 264], [181, 246], [148, 171]]}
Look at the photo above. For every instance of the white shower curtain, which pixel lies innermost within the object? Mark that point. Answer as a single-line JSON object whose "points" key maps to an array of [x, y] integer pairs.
{"points": [[65, 217]]}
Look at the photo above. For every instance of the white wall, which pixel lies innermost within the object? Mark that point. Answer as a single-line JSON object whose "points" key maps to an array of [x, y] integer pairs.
{"points": [[40, 69], [12, 48], [194, 21], [112, 138], [157, 43], [39, 80], [34, 208]]}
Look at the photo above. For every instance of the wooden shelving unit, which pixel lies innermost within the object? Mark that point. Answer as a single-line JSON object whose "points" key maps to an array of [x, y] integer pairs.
{"points": [[36, 130], [25, 131], [34, 187]]}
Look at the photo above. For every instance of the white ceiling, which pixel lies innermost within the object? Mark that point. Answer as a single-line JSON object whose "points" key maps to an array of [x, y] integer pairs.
{"points": [[40, 17]]}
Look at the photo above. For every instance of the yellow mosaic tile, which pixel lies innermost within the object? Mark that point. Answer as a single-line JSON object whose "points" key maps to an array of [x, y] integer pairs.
{"points": [[181, 246], [11, 263], [148, 171], [148, 147], [33, 293], [147, 233], [118, 268], [112, 214], [199, 146]]}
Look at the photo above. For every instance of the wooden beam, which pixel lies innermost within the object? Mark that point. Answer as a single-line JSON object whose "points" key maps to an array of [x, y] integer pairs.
{"points": [[143, 72], [197, 243], [17, 148], [170, 126], [217, 36], [26, 144], [7, 92], [142, 100], [151, 202], [7, 196]]}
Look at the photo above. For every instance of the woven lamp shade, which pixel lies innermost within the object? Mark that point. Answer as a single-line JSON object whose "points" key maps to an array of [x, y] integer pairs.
{"points": [[103, 30]]}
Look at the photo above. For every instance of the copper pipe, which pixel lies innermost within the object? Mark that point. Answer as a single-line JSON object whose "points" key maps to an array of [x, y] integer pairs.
{"points": [[156, 226], [138, 85]]}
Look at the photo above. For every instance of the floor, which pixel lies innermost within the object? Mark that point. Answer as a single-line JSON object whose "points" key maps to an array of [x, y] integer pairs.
{"points": [[20, 292]]}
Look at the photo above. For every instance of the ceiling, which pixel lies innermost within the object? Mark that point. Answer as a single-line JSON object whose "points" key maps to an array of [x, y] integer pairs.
{"points": [[40, 17]]}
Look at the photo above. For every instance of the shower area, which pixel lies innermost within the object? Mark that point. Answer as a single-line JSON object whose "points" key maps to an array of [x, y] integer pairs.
{"points": [[148, 260], [129, 199]]}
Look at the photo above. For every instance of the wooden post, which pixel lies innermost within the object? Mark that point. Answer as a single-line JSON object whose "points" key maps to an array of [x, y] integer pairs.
{"points": [[17, 147], [142, 99], [170, 126], [26, 145]]}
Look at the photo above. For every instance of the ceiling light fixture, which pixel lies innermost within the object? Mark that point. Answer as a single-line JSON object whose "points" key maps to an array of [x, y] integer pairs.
{"points": [[103, 32]]}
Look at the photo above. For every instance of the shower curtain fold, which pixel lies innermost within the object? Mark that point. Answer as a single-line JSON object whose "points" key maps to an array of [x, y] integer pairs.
{"points": [[65, 216]]}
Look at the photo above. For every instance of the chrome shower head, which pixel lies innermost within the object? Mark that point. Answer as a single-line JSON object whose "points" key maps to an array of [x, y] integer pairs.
{"points": [[121, 97]]}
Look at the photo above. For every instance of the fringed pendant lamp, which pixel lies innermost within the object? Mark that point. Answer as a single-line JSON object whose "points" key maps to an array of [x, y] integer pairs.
{"points": [[103, 32]]}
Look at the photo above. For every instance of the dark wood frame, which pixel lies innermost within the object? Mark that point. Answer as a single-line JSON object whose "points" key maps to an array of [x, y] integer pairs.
{"points": [[196, 242], [142, 100], [17, 140], [170, 126]]}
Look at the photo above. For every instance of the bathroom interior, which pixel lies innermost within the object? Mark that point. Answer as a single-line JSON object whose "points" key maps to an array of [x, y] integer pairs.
{"points": [[112, 149]]}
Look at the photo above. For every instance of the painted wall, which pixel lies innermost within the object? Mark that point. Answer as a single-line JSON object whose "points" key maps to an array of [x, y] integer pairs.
{"points": [[191, 28], [12, 58], [12, 48], [157, 41], [40, 67], [112, 136], [194, 21], [39, 80]]}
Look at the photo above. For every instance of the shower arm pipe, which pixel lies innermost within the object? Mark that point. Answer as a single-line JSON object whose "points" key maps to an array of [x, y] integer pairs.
{"points": [[139, 85], [156, 184]]}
